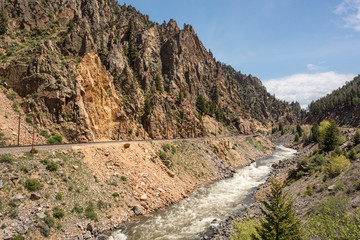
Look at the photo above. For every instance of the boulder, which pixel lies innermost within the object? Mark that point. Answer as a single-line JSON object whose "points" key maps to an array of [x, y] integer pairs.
{"points": [[41, 215], [34, 196], [19, 197], [143, 197], [138, 210]]}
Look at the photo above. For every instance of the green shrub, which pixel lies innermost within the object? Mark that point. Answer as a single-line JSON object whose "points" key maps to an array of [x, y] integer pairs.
{"points": [[24, 169], [6, 159], [90, 212], [55, 139], [52, 166], [331, 221], [28, 119], [244, 229], [50, 221], [166, 147], [32, 185], [58, 213], [59, 196], [77, 208], [11, 96], [162, 155], [352, 154], [296, 138], [309, 191], [45, 133], [15, 107], [337, 165], [18, 237], [101, 204], [173, 149], [44, 230], [123, 178], [115, 194]]}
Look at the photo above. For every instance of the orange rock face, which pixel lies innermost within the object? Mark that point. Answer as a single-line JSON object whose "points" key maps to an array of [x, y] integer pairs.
{"points": [[98, 102]]}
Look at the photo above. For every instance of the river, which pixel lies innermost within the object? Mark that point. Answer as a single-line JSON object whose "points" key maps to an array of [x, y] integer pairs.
{"points": [[192, 216]]}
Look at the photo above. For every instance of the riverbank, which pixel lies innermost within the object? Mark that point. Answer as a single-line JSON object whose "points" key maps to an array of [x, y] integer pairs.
{"points": [[224, 229], [97, 189]]}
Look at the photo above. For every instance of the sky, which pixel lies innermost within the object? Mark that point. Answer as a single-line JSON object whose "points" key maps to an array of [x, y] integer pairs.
{"points": [[300, 49]]}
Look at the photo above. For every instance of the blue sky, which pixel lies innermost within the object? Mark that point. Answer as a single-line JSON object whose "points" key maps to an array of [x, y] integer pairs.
{"points": [[300, 49]]}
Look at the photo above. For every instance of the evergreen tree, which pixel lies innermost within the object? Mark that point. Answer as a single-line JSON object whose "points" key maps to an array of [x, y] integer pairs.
{"points": [[201, 103], [315, 132], [330, 139], [159, 83], [280, 222], [215, 95], [147, 106], [132, 51], [3, 22], [357, 138], [299, 130]]}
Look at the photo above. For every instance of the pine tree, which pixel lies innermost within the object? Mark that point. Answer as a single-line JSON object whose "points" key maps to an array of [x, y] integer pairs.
{"points": [[357, 138], [3, 22], [299, 130], [280, 222], [315, 132], [200, 103], [147, 106], [330, 139]]}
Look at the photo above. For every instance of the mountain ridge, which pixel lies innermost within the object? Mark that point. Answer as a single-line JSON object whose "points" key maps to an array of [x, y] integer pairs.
{"points": [[161, 66]]}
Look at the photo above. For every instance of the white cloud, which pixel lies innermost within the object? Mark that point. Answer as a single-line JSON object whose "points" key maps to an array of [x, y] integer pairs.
{"points": [[350, 10], [315, 68], [304, 87]]}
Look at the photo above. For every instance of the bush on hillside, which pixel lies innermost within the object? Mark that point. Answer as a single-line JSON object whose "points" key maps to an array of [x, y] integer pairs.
{"points": [[32, 185], [337, 165]]}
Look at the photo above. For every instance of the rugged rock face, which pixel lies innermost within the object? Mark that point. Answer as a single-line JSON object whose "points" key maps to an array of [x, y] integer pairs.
{"points": [[97, 101], [156, 74]]}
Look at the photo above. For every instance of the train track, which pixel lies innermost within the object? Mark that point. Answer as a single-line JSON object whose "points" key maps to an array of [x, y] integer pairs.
{"points": [[48, 147]]}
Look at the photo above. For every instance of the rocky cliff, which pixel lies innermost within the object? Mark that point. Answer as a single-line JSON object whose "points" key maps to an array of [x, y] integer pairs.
{"points": [[94, 70]]}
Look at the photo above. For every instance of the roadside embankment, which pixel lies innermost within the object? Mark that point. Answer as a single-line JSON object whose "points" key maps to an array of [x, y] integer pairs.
{"points": [[87, 191]]}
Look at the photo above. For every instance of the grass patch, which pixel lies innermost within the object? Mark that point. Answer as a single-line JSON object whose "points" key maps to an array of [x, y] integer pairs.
{"points": [[6, 159], [90, 212]]}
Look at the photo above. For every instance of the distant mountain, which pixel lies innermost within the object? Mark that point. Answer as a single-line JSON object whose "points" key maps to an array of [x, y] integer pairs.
{"points": [[342, 105], [85, 67]]}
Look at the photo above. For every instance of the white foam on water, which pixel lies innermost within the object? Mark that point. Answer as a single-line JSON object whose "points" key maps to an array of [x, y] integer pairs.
{"points": [[193, 215]]}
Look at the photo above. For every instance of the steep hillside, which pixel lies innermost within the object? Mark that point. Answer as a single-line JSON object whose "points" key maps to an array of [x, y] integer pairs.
{"points": [[83, 68], [84, 192], [342, 105]]}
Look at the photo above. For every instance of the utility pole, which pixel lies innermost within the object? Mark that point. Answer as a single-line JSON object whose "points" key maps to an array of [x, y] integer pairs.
{"points": [[167, 129], [19, 130], [33, 140]]}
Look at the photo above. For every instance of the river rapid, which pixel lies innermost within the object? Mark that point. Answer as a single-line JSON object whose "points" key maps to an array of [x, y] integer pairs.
{"points": [[192, 216]]}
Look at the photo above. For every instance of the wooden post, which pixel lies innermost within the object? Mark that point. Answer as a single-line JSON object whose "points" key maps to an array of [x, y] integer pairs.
{"points": [[19, 131], [167, 129], [33, 140]]}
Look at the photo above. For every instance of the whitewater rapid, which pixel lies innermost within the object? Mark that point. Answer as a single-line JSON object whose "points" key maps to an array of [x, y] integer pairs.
{"points": [[193, 215]]}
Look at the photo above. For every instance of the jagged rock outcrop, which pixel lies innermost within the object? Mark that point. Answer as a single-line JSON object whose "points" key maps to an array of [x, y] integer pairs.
{"points": [[158, 71], [98, 103]]}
